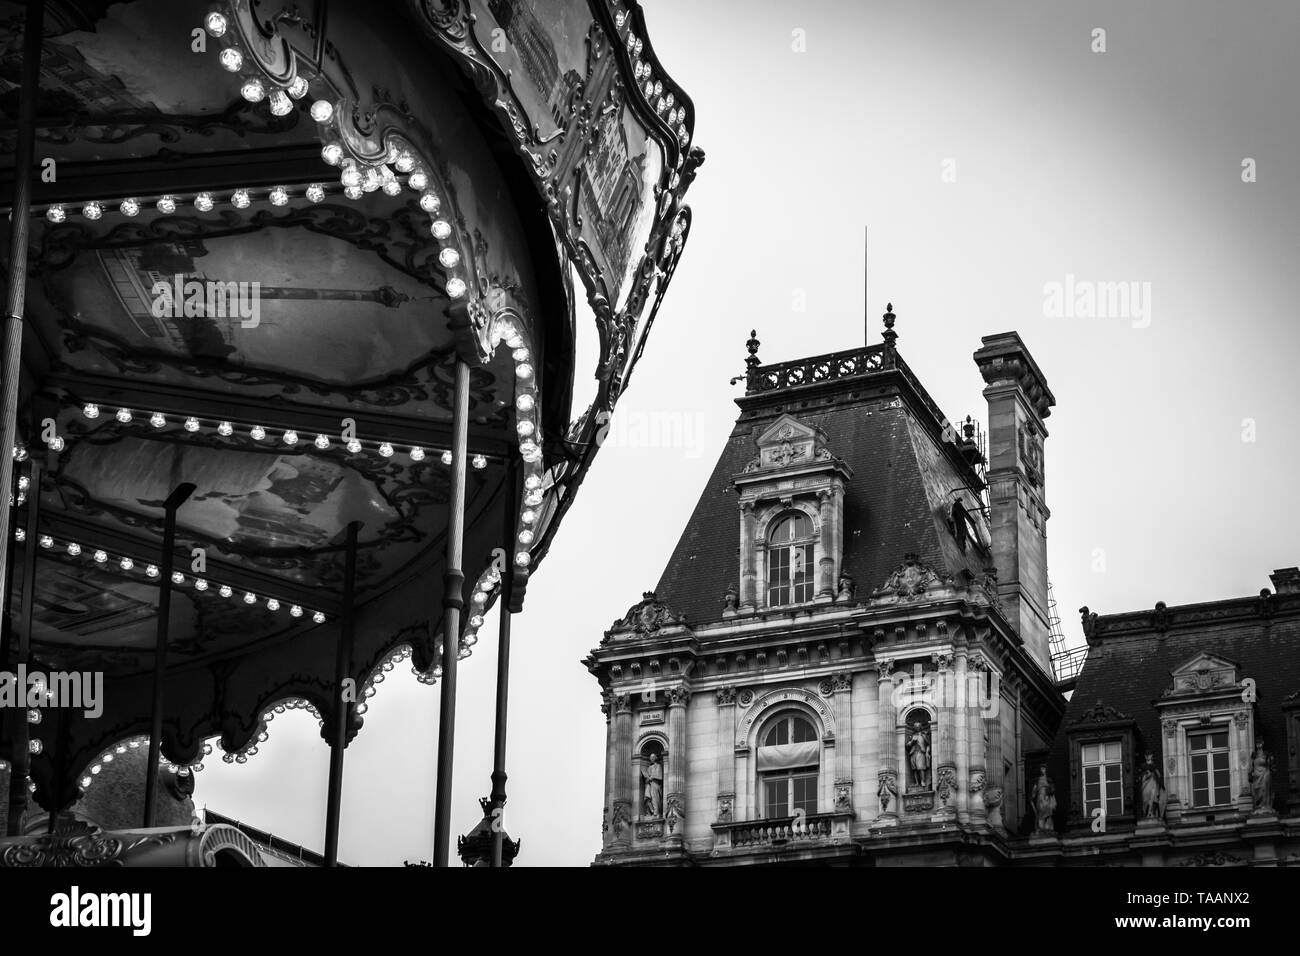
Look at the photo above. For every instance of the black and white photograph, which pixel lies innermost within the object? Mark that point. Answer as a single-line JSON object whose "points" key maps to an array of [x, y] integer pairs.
{"points": [[621, 435]]}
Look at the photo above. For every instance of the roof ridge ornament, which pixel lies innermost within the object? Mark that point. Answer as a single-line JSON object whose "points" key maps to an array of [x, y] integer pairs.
{"points": [[889, 335]]}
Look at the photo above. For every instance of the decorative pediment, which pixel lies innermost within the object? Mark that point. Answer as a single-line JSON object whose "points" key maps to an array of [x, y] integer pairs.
{"points": [[1204, 672], [1099, 713], [912, 580], [647, 616], [788, 441]]}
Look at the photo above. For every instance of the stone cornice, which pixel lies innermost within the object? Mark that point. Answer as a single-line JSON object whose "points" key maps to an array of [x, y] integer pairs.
{"points": [[1162, 619]]}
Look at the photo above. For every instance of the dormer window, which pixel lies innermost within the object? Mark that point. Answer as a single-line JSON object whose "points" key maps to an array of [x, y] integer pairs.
{"points": [[790, 561], [1208, 754], [791, 497]]}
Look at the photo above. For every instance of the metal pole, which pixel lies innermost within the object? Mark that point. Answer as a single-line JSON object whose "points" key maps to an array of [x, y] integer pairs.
{"points": [[342, 670], [173, 502], [453, 581], [19, 221], [21, 736], [498, 797]]}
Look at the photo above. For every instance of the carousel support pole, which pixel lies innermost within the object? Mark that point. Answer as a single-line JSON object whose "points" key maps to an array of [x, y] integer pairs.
{"points": [[19, 221], [342, 670], [170, 506], [20, 738], [453, 601], [498, 797]]}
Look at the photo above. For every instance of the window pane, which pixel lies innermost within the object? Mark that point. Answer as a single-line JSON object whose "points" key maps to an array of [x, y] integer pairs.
{"points": [[776, 797], [803, 731], [1112, 773], [1219, 740], [1114, 806], [1091, 752], [805, 793], [1113, 750]]}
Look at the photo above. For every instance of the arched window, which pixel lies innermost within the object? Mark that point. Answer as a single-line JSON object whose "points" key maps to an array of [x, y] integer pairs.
{"points": [[789, 754], [790, 561]]}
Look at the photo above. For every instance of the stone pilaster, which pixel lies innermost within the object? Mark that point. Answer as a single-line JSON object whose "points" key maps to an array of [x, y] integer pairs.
{"points": [[888, 785], [842, 688], [995, 789], [607, 830], [977, 777], [675, 773], [726, 739], [624, 786], [961, 776], [945, 751]]}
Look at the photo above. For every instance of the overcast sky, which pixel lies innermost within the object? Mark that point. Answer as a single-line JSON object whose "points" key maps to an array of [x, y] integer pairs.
{"points": [[1171, 453]]}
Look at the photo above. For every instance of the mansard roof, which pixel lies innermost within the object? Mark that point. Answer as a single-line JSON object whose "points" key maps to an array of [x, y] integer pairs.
{"points": [[897, 501], [1135, 659]]}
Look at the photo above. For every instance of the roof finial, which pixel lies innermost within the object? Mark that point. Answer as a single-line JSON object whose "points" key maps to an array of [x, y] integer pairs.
{"points": [[753, 345], [889, 335]]}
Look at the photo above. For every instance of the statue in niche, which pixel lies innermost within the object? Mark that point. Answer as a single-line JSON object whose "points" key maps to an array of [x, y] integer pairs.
{"points": [[653, 774], [845, 589], [1153, 790], [1261, 779], [1043, 796], [918, 754]]}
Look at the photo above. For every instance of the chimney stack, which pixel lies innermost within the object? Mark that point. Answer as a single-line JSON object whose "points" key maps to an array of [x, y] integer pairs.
{"points": [[1019, 400], [1286, 580]]}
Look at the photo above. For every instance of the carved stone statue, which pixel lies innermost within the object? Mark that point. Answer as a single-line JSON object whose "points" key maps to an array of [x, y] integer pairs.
{"points": [[1154, 794], [918, 754], [731, 599], [652, 773], [845, 589], [1044, 801], [1261, 779]]}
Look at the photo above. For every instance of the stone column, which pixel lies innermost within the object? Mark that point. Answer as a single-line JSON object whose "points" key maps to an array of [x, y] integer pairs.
{"points": [[748, 574], [960, 724], [675, 772], [726, 743], [889, 792], [624, 786], [995, 792], [977, 779], [607, 829], [826, 539]]}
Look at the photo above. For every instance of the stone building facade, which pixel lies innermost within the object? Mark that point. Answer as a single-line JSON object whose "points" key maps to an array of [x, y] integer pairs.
{"points": [[846, 659]]}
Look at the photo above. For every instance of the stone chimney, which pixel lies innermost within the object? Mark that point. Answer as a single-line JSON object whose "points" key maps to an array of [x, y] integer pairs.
{"points": [[1286, 580], [1019, 400]]}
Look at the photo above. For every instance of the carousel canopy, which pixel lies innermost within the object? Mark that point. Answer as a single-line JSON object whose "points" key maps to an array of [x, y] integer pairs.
{"points": [[261, 237]]}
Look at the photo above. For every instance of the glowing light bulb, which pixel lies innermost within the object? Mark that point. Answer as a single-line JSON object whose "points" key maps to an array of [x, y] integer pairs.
{"points": [[151, 571], [257, 433], [281, 105], [404, 162], [455, 287], [279, 196], [225, 429], [191, 424], [92, 210], [56, 443], [124, 416], [525, 428], [215, 24], [449, 258], [167, 205], [315, 192], [295, 611], [225, 590], [319, 617], [158, 420], [524, 370], [74, 549], [429, 201], [240, 199], [200, 584], [386, 450], [332, 153], [178, 578], [322, 442], [352, 192], [440, 228], [354, 446], [129, 207], [100, 557], [253, 90], [523, 559], [272, 604], [203, 202], [478, 461], [231, 59], [126, 564], [250, 597], [298, 88], [528, 516], [321, 111], [56, 213], [291, 437], [418, 179], [351, 176], [417, 453], [446, 457], [524, 402]]}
